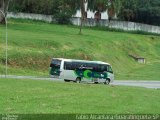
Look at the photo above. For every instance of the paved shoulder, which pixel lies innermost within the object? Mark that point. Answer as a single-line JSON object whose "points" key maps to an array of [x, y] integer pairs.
{"points": [[144, 83]]}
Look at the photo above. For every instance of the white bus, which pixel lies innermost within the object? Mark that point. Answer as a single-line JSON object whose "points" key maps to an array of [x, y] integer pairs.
{"points": [[81, 70]]}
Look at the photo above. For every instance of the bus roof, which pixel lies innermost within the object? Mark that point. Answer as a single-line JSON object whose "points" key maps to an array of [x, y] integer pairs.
{"points": [[75, 60]]}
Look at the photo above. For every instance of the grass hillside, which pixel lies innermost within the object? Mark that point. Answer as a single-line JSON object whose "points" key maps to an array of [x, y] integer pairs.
{"points": [[47, 97], [33, 44]]}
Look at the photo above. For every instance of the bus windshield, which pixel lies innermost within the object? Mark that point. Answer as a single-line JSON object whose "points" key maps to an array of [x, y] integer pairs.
{"points": [[55, 67]]}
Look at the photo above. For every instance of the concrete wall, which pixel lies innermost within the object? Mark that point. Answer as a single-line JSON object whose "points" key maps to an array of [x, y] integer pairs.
{"points": [[47, 18], [128, 26], [131, 26], [123, 25]]}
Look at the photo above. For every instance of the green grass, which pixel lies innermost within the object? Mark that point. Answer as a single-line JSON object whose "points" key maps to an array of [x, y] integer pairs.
{"points": [[48, 97], [33, 44]]}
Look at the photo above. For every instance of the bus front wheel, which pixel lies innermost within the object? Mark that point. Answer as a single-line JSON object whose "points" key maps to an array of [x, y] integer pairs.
{"points": [[66, 80], [78, 80], [107, 82]]}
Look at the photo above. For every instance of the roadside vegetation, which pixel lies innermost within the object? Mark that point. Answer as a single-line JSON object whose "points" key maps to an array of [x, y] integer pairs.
{"points": [[44, 97], [142, 11], [32, 45]]}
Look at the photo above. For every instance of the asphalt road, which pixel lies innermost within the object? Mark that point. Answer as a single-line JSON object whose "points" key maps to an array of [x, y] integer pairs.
{"points": [[139, 83]]}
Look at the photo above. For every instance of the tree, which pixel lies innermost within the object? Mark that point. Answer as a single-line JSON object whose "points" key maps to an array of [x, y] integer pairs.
{"points": [[62, 10], [148, 12], [82, 5], [142, 11], [128, 10], [65, 10], [113, 8], [98, 6], [4, 8]]}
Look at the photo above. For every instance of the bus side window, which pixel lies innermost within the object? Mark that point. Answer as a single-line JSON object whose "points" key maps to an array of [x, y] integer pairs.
{"points": [[78, 65], [64, 65], [67, 65], [103, 68], [89, 66], [73, 66], [96, 69]]}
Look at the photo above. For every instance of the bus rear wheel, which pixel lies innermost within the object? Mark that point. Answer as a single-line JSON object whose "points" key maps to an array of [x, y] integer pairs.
{"points": [[78, 80], [107, 82]]}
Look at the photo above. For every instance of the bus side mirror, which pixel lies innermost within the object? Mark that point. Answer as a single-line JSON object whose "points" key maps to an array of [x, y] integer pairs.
{"points": [[52, 65]]}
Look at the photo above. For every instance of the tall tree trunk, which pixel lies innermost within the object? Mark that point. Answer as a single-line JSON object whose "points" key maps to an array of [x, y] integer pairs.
{"points": [[82, 2], [3, 10], [113, 8]]}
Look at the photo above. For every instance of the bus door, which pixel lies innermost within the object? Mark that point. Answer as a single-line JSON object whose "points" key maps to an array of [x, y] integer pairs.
{"points": [[68, 72]]}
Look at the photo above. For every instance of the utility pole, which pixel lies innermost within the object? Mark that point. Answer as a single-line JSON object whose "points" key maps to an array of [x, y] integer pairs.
{"points": [[6, 51]]}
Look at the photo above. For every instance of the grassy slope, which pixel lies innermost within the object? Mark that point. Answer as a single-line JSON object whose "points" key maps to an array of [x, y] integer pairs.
{"points": [[28, 96], [33, 44]]}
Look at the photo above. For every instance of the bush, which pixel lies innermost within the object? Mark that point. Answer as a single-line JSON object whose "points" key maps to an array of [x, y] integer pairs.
{"points": [[63, 16]]}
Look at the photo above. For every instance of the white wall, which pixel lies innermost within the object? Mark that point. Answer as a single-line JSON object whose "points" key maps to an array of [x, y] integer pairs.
{"points": [[123, 25], [47, 18]]}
